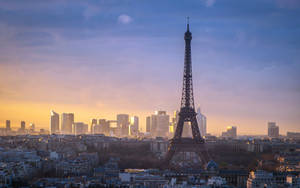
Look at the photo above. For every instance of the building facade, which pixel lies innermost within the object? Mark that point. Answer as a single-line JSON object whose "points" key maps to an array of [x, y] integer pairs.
{"points": [[148, 124], [174, 121], [159, 124], [80, 128], [201, 122], [231, 132], [67, 120], [54, 122], [123, 124], [134, 126], [93, 123], [23, 125], [273, 130], [7, 125]]}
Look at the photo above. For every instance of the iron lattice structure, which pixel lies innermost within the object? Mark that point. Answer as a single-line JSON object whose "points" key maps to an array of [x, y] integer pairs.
{"points": [[187, 114]]}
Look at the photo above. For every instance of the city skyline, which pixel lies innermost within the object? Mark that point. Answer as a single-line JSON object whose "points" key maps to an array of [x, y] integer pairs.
{"points": [[56, 126], [245, 74]]}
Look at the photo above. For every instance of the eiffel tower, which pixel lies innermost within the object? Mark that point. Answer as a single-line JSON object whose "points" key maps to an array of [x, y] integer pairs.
{"points": [[187, 113]]}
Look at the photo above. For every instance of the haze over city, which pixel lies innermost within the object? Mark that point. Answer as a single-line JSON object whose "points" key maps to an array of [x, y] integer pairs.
{"points": [[97, 59]]}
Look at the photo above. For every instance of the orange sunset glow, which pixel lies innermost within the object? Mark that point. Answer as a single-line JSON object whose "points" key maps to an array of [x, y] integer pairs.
{"points": [[97, 64]]}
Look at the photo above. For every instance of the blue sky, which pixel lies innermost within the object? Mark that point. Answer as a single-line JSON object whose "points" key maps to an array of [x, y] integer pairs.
{"points": [[99, 58]]}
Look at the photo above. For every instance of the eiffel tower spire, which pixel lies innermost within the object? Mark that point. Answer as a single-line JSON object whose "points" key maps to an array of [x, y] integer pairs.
{"points": [[187, 99]]}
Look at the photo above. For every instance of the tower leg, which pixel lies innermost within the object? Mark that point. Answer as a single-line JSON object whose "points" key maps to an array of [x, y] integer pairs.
{"points": [[195, 129], [179, 127]]}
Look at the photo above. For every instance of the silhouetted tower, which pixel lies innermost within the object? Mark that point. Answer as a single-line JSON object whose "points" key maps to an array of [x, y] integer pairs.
{"points": [[187, 113]]}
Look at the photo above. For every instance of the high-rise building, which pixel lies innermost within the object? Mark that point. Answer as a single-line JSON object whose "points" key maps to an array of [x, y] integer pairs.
{"points": [[122, 119], [231, 132], [123, 124], [80, 128], [67, 120], [174, 121], [273, 130], [54, 122], [134, 126], [97, 129], [113, 128], [8, 128], [153, 125], [93, 123], [159, 124], [201, 122], [32, 127], [148, 124], [102, 121], [104, 126], [23, 125]]}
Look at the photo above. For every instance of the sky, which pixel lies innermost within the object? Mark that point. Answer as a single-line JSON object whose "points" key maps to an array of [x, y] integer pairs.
{"points": [[98, 58]]}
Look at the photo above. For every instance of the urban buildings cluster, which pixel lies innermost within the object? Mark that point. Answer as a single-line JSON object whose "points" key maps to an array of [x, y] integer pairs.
{"points": [[157, 125], [8, 130], [123, 126], [98, 160], [115, 153]]}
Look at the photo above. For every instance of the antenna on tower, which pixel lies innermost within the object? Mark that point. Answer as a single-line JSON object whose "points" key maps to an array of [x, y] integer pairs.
{"points": [[188, 23]]}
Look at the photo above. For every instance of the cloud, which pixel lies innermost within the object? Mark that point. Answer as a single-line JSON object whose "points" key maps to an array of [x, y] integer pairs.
{"points": [[124, 19]]}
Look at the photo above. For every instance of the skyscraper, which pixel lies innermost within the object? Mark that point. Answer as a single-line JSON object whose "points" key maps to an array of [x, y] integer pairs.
{"points": [[7, 124], [97, 129], [23, 125], [123, 124], [67, 120], [273, 130], [174, 121], [134, 126], [104, 126], [80, 128], [148, 124], [159, 124], [32, 127], [231, 132], [201, 122], [93, 123], [54, 122], [122, 119]]}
